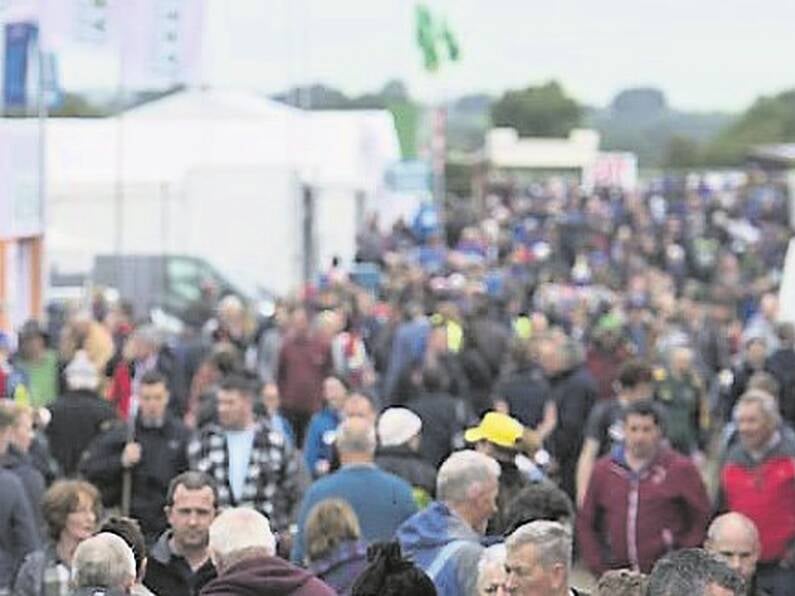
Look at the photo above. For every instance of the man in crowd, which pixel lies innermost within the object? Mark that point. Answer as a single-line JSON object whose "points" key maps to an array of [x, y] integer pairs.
{"points": [[681, 395], [18, 532], [243, 550], [538, 562], [147, 352], [733, 538], [179, 563], [605, 427], [381, 501], [78, 416], [320, 435], [16, 433], [399, 436], [574, 392], [643, 500], [39, 363], [304, 361], [758, 480], [693, 572], [154, 450], [753, 361], [444, 539], [498, 436], [103, 565], [781, 364], [252, 463]]}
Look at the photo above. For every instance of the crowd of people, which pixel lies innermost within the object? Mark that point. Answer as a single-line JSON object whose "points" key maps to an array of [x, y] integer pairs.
{"points": [[599, 378]]}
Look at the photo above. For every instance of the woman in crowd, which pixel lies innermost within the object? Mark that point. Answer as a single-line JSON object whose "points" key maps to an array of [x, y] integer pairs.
{"points": [[71, 510], [335, 552]]}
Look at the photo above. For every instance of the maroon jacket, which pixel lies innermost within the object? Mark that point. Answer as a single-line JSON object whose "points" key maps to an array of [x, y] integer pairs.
{"points": [[266, 576], [631, 519], [304, 361]]}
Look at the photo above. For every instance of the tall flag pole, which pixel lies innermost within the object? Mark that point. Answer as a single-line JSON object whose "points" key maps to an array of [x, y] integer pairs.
{"points": [[436, 42]]}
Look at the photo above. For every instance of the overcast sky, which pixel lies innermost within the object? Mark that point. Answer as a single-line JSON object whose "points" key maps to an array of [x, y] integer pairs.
{"points": [[705, 54]]}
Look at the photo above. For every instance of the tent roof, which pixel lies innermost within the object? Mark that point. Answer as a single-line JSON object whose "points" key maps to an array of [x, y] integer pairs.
{"points": [[164, 140], [211, 103]]}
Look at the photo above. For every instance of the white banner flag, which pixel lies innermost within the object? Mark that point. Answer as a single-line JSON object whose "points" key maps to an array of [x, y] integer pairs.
{"points": [[161, 42], [158, 42]]}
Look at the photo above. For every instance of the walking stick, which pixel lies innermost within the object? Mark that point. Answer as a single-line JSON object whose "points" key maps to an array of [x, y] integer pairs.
{"points": [[126, 474]]}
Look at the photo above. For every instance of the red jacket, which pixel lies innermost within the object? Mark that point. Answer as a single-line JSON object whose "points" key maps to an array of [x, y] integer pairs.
{"points": [[765, 492], [303, 364], [632, 519]]}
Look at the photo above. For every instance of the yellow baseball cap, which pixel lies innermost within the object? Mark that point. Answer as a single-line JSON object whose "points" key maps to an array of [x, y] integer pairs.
{"points": [[496, 428]]}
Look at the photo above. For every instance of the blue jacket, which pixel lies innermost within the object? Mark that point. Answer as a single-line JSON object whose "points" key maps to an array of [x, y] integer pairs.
{"points": [[381, 502], [319, 439], [408, 347], [445, 547]]}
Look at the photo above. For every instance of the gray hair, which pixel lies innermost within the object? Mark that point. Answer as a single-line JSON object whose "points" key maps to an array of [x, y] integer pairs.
{"points": [[552, 541], [459, 472], [691, 571], [493, 555], [238, 530], [767, 403], [356, 435], [150, 335], [103, 561]]}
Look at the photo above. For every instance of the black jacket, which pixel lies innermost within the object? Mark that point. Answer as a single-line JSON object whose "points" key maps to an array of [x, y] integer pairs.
{"points": [[21, 465], [401, 461], [18, 535], [164, 454], [443, 421], [78, 417], [781, 364], [169, 574], [526, 392], [574, 392]]}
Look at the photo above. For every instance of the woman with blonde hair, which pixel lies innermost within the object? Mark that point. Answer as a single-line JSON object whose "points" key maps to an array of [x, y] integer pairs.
{"points": [[335, 552]]}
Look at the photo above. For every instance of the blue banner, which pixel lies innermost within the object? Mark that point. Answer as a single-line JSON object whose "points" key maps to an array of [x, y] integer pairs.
{"points": [[20, 41]]}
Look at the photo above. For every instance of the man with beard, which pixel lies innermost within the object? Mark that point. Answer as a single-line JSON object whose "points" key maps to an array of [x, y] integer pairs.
{"points": [[179, 563]]}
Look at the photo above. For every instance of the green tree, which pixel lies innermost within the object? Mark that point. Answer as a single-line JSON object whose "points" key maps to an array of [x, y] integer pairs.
{"points": [[682, 152], [544, 111], [768, 120]]}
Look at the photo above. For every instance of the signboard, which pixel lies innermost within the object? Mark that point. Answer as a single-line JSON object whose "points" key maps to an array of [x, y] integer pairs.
{"points": [[613, 169], [409, 176]]}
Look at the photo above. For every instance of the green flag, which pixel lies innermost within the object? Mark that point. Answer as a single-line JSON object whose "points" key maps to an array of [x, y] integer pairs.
{"points": [[453, 49], [431, 34], [426, 38]]}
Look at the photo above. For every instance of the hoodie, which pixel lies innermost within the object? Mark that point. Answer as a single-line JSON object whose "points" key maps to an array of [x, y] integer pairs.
{"points": [[445, 547], [21, 465], [266, 576]]}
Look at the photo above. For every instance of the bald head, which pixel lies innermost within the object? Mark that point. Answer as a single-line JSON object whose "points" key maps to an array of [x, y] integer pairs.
{"points": [[734, 538], [356, 440]]}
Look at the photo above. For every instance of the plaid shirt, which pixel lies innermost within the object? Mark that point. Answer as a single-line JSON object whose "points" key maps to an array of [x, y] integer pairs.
{"points": [[43, 574], [272, 485]]}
